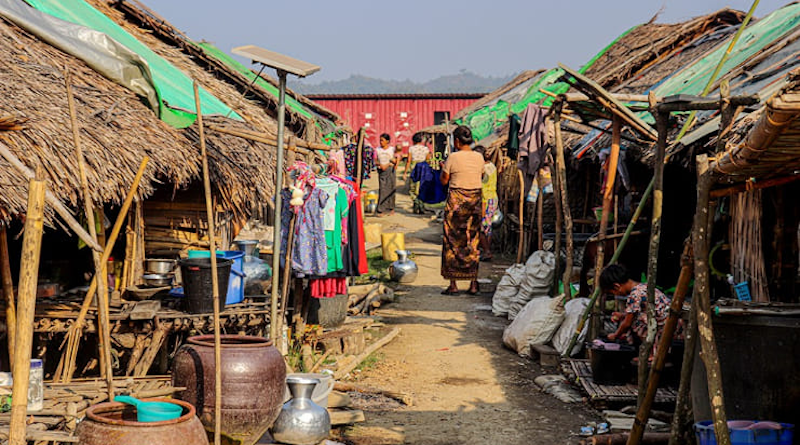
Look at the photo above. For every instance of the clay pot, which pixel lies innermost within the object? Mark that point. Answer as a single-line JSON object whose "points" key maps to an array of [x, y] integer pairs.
{"points": [[114, 423], [253, 382]]}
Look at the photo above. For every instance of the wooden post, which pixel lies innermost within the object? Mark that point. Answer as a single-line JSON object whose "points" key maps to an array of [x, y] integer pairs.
{"points": [[708, 350], [521, 216], [561, 172], [608, 197], [100, 272], [214, 278], [8, 295], [652, 257], [681, 423], [643, 414], [26, 307]]}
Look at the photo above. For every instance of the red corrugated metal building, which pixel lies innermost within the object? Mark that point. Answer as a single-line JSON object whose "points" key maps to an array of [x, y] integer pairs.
{"points": [[399, 115]]}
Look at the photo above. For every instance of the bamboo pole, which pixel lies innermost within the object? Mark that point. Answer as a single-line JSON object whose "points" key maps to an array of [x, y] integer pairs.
{"points": [[521, 215], [26, 308], [288, 268], [260, 137], [359, 179], [662, 120], [708, 346], [51, 199], [8, 295], [539, 215], [100, 272], [67, 363], [608, 195], [559, 223], [214, 278], [646, 404], [562, 182]]}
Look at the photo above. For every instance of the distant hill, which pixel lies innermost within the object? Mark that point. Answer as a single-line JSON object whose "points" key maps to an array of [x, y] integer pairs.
{"points": [[463, 82]]}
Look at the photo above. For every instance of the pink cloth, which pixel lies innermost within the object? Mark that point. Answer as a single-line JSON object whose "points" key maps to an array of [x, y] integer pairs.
{"points": [[328, 287]]}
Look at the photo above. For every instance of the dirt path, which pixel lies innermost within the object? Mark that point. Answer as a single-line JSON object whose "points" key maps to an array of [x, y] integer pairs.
{"points": [[467, 388]]}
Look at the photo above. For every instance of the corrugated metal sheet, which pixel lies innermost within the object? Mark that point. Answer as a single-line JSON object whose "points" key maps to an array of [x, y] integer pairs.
{"points": [[400, 118]]}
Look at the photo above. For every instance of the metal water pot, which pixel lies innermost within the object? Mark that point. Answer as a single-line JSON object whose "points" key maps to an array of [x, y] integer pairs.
{"points": [[301, 421], [403, 270], [497, 219]]}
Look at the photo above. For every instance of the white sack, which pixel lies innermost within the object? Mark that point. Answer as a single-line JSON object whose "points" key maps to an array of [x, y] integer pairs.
{"points": [[506, 289], [539, 270], [534, 325], [573, 310]]}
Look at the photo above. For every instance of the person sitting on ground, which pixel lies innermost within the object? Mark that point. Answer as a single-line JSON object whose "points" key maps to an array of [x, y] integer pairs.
{"points": [[633, 320], [489, 200]]}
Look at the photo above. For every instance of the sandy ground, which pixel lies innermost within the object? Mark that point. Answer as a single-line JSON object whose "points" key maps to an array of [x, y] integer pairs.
{"points": [[467, 387]]}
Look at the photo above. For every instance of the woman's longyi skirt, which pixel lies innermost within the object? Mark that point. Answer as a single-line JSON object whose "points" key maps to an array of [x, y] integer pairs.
{"points": [[462, 222]]}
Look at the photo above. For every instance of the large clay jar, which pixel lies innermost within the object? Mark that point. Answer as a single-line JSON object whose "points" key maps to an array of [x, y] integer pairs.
{"points": [[253, 379], [114, 423]]}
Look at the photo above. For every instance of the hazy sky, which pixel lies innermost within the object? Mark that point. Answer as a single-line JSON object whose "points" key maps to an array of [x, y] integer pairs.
{"points": [[421, 40]]}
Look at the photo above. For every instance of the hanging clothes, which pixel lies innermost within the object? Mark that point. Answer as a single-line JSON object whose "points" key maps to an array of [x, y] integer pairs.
{"points": [[333, 238], [327, 287], [431, 190], [309, 253], [532, 142], [513, 137], [367, 161]]}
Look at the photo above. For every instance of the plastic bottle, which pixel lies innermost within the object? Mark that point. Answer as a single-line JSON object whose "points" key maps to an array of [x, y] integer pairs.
{"points": [[36, 386]]}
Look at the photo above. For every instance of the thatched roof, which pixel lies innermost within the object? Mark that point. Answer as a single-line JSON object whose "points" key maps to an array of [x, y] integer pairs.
{"points": [[647, 44], [118, 131], [766, 144], [146, 19]]}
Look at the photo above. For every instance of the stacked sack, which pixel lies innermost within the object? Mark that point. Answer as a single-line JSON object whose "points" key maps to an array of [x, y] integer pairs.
{"points": [[521, 283]]}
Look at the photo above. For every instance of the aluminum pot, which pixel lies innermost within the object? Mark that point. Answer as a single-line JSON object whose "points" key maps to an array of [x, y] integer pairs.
{"points": [[253, 379], [159, 265], [403, 270], [497, 219], [248, 246], [301, 421], [114, 423], [157, 279]]}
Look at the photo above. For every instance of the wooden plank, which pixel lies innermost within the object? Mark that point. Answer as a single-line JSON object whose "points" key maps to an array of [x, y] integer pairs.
{"points": [[346, 416], [612, 104]]}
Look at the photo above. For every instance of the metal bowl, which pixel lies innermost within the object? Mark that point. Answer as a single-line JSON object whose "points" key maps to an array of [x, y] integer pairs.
{"points": [[248, 246], [497, 219], [159, 265], [157, 279]]}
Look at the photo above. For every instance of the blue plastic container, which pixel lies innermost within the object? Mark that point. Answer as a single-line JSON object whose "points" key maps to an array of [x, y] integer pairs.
{"points": [[236, 281], [745, 432], [742, 291]]}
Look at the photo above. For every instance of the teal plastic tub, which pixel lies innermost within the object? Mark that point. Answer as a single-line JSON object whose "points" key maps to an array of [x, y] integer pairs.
{"points": [[235, 292]]}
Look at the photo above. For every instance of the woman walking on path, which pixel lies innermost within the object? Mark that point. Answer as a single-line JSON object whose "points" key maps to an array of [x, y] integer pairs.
{"points": [[463, 171], [387, 183]]}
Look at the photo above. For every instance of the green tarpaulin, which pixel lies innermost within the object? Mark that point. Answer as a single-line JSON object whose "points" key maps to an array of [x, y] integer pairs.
{"points": [[173, 87]]}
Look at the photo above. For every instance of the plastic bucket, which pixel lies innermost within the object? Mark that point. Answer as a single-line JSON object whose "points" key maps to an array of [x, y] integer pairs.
{"points": [[235, 292], [745, 432], [196, 273], [390, 242]]}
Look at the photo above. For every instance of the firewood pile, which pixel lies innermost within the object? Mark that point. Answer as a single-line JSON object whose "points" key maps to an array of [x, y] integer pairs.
{"points": [[365, 299]]}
